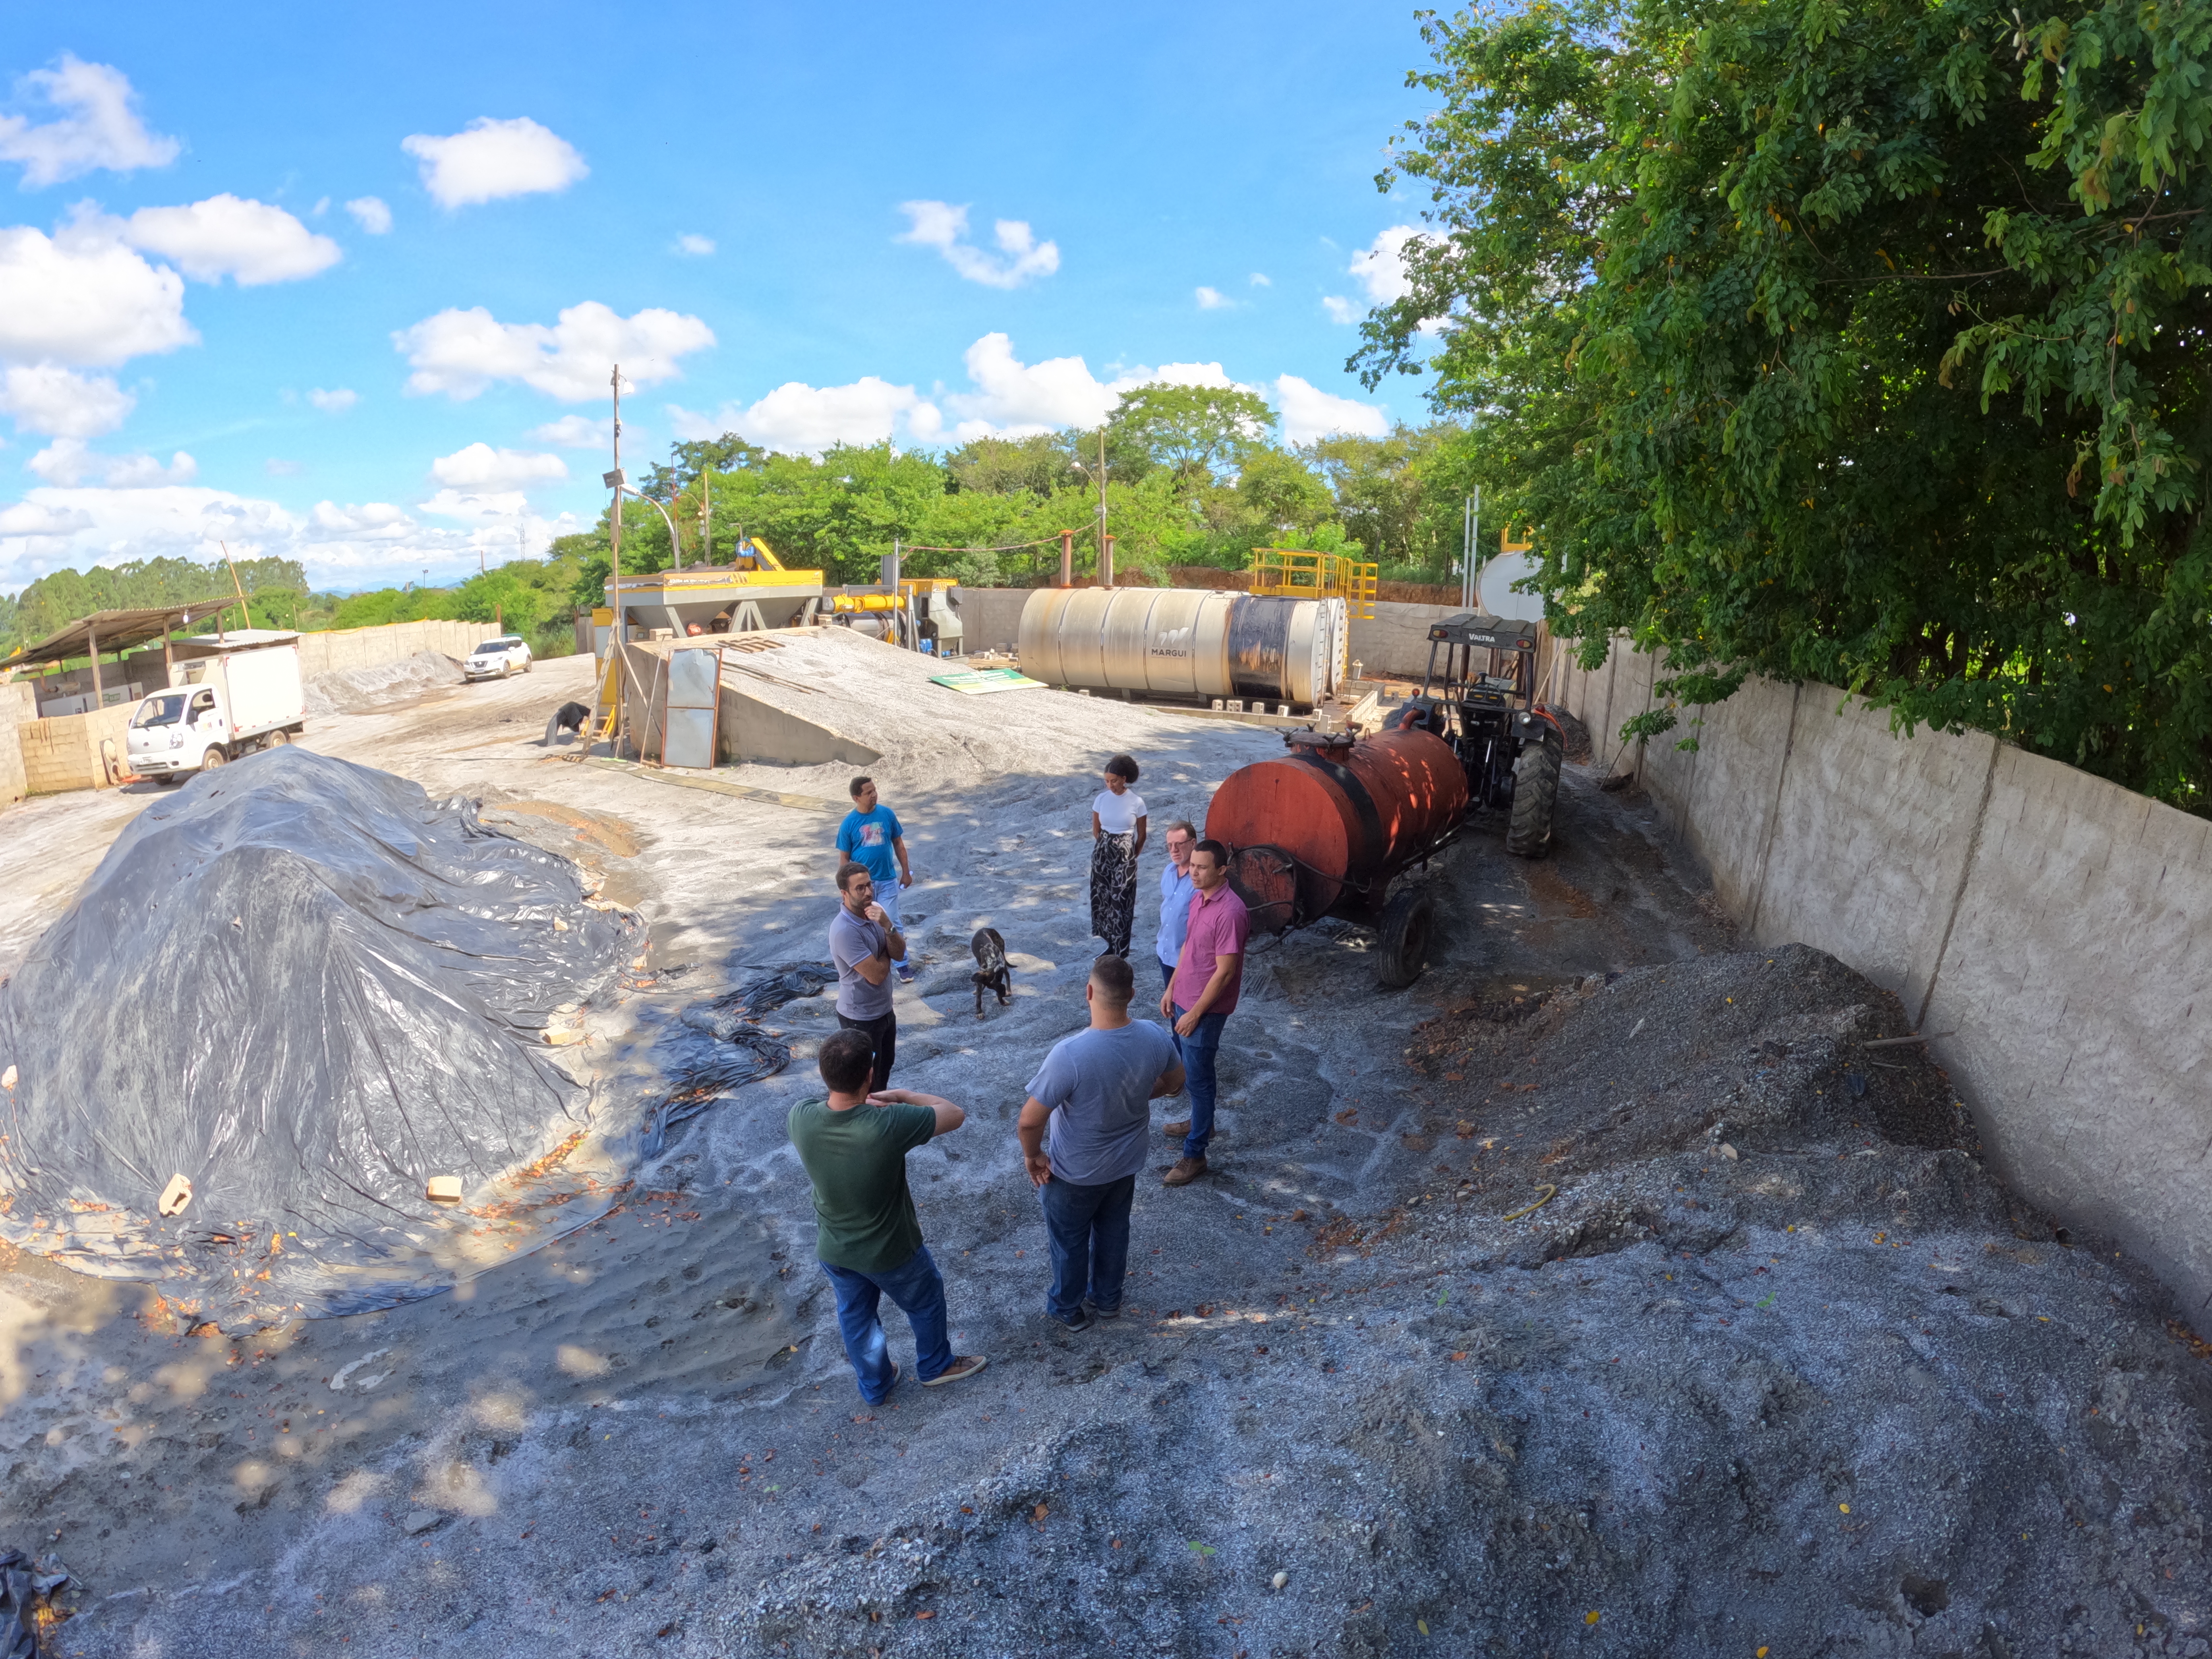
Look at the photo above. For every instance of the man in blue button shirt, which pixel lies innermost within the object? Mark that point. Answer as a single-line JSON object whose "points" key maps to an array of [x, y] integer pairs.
{"points": [[1177, 890], [871, 837]]}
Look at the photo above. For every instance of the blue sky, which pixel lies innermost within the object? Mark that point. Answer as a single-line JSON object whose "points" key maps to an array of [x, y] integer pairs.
{"points": [[345, 288]]}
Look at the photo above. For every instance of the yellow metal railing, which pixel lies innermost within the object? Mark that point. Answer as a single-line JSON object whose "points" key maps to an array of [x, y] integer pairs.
{"points": [[1290, 572]]}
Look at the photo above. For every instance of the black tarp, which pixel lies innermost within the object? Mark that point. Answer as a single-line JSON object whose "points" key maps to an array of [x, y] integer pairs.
{"points": [[308, 988]]}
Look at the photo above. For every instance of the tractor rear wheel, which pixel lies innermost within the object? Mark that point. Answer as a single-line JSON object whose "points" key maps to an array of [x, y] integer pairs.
{"points": [[1403, 951], [1535, 794]]}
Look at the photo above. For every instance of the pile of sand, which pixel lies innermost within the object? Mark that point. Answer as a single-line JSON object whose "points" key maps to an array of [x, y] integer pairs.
{"points": [[370, 691]]}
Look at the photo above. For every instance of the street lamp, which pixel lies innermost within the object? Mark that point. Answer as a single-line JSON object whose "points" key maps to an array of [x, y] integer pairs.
{"points": [[675, 547]]}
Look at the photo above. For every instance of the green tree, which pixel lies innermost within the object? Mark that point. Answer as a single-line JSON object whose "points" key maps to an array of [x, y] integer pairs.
{"points": [[1199, 433], [1865, 347]]}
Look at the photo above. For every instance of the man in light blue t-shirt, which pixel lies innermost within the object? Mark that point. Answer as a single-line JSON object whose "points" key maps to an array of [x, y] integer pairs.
{"points": [[1176, 891], [871, 837], [1095, 1091]]}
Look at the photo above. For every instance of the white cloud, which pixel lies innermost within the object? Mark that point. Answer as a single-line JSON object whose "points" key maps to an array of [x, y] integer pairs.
{"points": [[68, 462], [1339, 309], [229, 236], [1308, 413], [82, 297], [697, 247], [799, 419], [98, 127], [492, 159], [322, 206], [572, 432], [944, 228], [371, 214], [33, 518], [478, 507], [1012, 399], [280, 469], [1381, 265], [460, 353], [346, 546], [481, 467], [49, 399], [1212, 298], [1260, 279], [334, 401]]}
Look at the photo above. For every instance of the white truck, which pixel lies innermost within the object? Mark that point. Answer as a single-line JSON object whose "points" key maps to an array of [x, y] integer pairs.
{"points": [[232, 695]]}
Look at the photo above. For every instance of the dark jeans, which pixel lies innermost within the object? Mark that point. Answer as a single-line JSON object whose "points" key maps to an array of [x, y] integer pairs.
{"points": [[919, 1289], [1088, 1230], [884, 1028], [1198, 1051], [1167, 975]]}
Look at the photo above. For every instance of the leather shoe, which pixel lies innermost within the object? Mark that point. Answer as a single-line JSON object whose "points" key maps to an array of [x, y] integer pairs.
{"points": [[1186, 1171]]}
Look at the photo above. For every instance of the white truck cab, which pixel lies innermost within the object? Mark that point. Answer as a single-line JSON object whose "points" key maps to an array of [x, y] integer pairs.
{"points": [[234, 694]]}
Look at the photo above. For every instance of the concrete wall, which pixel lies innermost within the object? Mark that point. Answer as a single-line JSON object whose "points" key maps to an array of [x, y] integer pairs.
{"points": [[64, 753], [16, 705], [370, 647], [2059, 925], [990, 618], [750, 728]]}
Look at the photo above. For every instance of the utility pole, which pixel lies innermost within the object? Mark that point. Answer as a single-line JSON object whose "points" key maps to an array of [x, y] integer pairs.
{"points": [[705, 506], [614, 481], [1105, 547], [1470, 559]]}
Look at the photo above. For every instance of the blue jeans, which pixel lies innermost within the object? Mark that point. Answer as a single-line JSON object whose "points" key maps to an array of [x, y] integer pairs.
{"points": [[1198, 1051], [1088, 1231], [1167, 975], [919, 1289]]}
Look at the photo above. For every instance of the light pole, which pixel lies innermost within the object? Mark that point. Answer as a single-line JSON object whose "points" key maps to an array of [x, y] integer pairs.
{"points": [[1105, 547], [675, 547]]}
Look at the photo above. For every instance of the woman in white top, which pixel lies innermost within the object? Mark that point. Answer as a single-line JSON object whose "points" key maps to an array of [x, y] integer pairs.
{"points": [[1117, 835]]}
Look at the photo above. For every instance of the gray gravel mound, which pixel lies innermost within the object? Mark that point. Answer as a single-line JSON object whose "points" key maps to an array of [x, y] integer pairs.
{"points": [[368, 690], [1839, 1393]]}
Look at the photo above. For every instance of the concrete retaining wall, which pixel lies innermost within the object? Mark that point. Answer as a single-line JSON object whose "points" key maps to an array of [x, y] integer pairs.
{"points": [[64, 752], [370, 648], [990, 618], [2059, 925]]}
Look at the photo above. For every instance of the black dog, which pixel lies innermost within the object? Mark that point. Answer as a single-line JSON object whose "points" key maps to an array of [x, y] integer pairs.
{"points": [[568, 717], [991, 972]]}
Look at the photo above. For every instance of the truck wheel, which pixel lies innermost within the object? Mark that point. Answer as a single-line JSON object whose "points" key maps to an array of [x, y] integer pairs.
{"points": [[276, 739], [212, 759], [1404, 950], [1535, 794]]}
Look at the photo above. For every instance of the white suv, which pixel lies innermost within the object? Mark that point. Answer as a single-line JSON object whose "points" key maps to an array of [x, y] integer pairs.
{"points": [[495, 659]]}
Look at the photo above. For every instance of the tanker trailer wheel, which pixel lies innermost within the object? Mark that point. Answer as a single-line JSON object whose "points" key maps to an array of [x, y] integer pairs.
{"points": [[1404, 949], [1535, 794]]}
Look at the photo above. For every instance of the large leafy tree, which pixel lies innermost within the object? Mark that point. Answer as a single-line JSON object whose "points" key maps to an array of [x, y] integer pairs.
{"points": [[1199, 433], [1864, 343]]}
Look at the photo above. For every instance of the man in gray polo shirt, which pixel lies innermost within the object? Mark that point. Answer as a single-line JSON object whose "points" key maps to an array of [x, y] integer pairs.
{"points": [[864, 943], [1094, 1092]]}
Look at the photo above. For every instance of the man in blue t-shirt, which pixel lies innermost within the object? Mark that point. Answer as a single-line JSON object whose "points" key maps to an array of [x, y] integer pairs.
{"points": [[871, 836], [1094, 1092]]}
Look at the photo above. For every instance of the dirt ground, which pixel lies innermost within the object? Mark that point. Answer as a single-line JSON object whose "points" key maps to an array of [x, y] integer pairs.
{"points": [[1774, 1367]]}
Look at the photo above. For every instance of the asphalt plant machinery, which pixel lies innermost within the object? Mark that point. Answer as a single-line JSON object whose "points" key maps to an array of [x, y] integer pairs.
{"points": [[1328, 829]]}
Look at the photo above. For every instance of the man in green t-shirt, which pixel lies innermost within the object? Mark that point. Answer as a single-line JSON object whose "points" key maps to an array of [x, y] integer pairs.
{"points": [[867, 1235]]}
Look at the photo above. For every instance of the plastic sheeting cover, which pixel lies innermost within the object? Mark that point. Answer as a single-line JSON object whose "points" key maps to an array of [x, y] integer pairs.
{"points": [[307, 989]]}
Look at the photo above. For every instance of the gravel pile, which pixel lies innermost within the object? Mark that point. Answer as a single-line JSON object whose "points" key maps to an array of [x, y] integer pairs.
{"points": [[1779, 1366], [368, 690]]}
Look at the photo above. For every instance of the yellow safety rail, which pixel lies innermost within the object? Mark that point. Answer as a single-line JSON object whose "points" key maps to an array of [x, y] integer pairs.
{"points": [[1292, 573]]}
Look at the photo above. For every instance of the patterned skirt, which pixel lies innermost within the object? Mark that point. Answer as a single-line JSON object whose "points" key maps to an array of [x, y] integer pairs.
{"points": [[1114, 889]]}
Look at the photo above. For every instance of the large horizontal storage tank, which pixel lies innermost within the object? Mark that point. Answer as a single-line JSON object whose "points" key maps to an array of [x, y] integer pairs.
{"points": [[1327, 826], [1180, 642]]}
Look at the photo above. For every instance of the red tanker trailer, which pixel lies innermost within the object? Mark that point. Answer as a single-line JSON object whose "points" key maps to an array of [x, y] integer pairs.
{"points": [[1325, 829]]}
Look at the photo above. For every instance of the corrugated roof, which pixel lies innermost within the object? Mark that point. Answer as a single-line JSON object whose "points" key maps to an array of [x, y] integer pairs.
{"points": [[116, 631]]}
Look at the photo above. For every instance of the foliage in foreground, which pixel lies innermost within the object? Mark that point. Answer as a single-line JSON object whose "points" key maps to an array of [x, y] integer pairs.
{"points": [[1864, 345]]}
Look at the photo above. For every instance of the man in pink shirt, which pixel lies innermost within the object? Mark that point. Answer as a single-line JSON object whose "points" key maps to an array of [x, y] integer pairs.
{"points": [[1209, 973]]}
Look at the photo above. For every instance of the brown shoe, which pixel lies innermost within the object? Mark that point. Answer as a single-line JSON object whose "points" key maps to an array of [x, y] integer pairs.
{"points": [[1186, 1171], [1176, 1131], [966, 1365]]}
